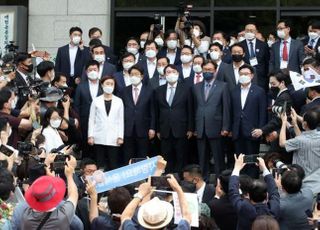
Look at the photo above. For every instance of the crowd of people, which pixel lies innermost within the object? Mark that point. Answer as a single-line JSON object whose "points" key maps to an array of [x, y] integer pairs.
{"points": [[204, 105]]}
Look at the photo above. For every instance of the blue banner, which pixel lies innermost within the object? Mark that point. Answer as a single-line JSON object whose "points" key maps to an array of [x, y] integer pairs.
{"points": [[125, 175]]}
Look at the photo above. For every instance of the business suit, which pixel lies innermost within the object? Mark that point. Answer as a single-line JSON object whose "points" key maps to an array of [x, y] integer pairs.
{"points": [[120, 83], [63, 65], [252, 116], [313, 104], [163, 53], [110, 57], [220, 70], [306, 41], [262, 54], [226, 57], [211, 117], [296, 56], [108, 70], [208, 193], [82, 103], [139, 118], [19, 83], [180, 70], [106, 129], [173, 123], [143, 64]]}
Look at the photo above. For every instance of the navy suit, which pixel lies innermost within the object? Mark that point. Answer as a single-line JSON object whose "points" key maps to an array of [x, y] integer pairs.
{"points": [[313, 104], [180, 70], [62, 63], [220, 71], [143, 64], [19, 82], [226, 58], [108, 70], [163, 53], [211, 117], [262, 54], [173, 123], [120, 83], [306, 41], [138, 120]]}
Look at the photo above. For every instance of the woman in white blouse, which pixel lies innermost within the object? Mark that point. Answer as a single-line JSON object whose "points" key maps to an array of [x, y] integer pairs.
{"points": [[106, 125]]}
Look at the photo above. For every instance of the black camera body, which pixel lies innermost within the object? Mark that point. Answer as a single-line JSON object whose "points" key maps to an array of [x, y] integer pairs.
{"points": [[24, 148], [34, 90]]}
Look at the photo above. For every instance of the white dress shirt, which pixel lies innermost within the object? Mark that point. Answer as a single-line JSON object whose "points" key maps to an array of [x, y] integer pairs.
{"points": [[24, 76], [52, 137], [169, 90], [126, 79], [172, 56], [314, 43], [249, 46], [186, 71], [162, 80], [200, 192], [93, 87], [236, 72], [244, 94], [195, 78], [139, 90], [72, 54], [101, 70], [152, 65]]}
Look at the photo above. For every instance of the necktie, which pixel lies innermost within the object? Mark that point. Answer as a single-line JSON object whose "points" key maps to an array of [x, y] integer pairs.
{"points": [[135, 97], [206, 92], [252, 54], [285, 51], [198, 78], [171, 96], [311, 43]]}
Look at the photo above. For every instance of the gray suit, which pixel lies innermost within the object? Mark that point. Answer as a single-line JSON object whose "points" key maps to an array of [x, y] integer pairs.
{"points": [[211, 117], [296, 56]]}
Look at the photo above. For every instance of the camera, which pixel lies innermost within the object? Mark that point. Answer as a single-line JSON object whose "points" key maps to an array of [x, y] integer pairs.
{"points": [[11, 47], [24, 148], [34, 90], [184, 10], [279, 164], [277, 109]]}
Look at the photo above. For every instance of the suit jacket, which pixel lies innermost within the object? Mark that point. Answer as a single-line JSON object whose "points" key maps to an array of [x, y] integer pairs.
{"points": [[177, 118], [106, 129], [252, 116], [221, 69], [62, 63], [313, 104], [154, 81], [139, 118], [263, 56], [143, 64], [212, 116], [110, 57], [305, 42], [19, 82], [163, 53], [208, 193], [226, 58], [296, 56], [120, 83], [181, 73], [108, 70]]}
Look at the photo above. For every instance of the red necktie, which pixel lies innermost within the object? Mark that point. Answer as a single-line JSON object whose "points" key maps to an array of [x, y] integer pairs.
{"points": [[198, 78], [285, 51]]}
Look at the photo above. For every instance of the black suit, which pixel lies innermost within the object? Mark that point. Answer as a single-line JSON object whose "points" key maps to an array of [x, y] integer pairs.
{"points": [[19, 82], [173, 123], [138, 120], [306, 41], [108, 70], [208, 193], [313, 104], [163, 53], [120, 83], [110, 57], [143, 64], [211, 117], [226, 57], [262, 54], [62, 63]]}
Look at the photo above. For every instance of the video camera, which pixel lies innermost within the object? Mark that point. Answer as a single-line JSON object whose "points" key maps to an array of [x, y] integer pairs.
{"points": [[11, 47], [184, 10], [158, 27], [24, 148], [34, 90], [279, 168]]}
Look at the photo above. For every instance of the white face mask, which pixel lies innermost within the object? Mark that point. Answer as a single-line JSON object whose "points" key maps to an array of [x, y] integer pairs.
{"points": [[172, 78], [196, 32], [132, 50], [244, 79], [108, 89], [249, 36], [55, 123], [160, 70], [135, 80], [159, 41], [9, 132], [215, 55], [142, 43], [186, 58], [240, 39], [52, 75], [151, 53], [232, 42], [93, 75], [127, 65], [76, 40], [281, 34], [197, 68], [270, 43], [14, 103], [217, 41], [100, 58], [313, 35], [172, 44]]}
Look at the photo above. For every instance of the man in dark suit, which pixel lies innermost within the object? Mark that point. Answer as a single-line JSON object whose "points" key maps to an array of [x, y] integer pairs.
{"points": [[314, 97], [215, 54], [212, 116], [150, 64], [185, 69], [175, 124], [133, 47], [287, 52], [249, 107], [139, 116], [160, 79], [72, 57], [193, 174], [86, 91], [197, 76], [221, 38], [171, 49], [257, 55], [312, 42]]}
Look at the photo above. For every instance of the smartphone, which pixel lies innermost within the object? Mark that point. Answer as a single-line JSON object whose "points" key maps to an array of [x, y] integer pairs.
{"points": [[160, 182], [135, 160], [309, 213], [61, 158], [6, 151], [251, 159]]}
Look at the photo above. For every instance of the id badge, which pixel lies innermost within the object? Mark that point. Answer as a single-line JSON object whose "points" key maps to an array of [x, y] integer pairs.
{"points": [[253, 61], [283, 64]]}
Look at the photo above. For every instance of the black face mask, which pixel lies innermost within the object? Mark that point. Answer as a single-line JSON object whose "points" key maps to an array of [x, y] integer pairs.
{"points": [[29, 68], [274, 92], [237, 57]]}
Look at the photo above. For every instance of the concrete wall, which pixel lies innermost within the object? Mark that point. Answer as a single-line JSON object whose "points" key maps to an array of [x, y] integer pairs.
{"points": [[50, 21]]}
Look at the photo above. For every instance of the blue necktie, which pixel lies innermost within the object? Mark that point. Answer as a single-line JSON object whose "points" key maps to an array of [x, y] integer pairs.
{"points": [[252, 54]]}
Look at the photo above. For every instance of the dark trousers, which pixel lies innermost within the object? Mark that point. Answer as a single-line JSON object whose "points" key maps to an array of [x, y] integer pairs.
{"points": [[248, 147], [205, 147], [107, 156], [135, 147], [174, 151]]}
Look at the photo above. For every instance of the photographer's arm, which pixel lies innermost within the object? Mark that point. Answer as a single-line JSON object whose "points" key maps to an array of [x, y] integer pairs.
{"points": [[66, 106], [72, 188], [93, 212], [282, 136]]}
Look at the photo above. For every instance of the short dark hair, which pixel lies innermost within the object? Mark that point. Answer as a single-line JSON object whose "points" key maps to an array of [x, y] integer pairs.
{"points": [[5, 94], [118, 199], [199, 56], [224, 180], [237, 45], [209, 61], [58, 76], [149, 42], [170, 66], [258, 191], [21, 57], [245, 183], [315, 88], [96, 46], [92, 62], [93, 30], [311, 61], [104, 78], [265, 222], [132, 38], [286, 22], [187, 47], [298, 169], [315, 24], [291, 181], [168, 32], [311, 117], [3, 123], [95, 42], [193, 169], [6, 183], [247, 66], [217, 45], [127, 54], [163, 57], [87, 161], [75, 28], [136, 67], [44, 67], [224, 35], [281, 76]]}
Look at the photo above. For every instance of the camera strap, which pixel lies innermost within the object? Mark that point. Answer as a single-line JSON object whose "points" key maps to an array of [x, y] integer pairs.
{"points": [[44, 220]]}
